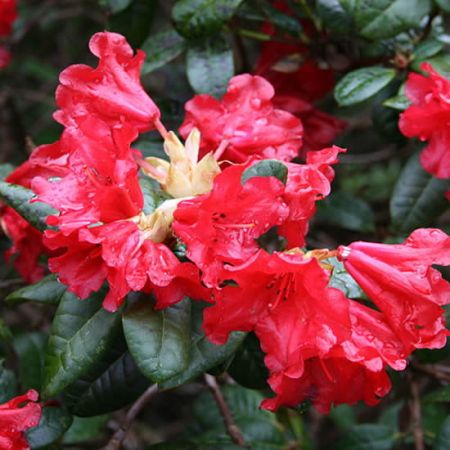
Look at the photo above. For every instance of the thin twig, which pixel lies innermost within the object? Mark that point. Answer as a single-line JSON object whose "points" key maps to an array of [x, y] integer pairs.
{"points": [[416, 416], [432, 370], [232, 429], [115, 443]]}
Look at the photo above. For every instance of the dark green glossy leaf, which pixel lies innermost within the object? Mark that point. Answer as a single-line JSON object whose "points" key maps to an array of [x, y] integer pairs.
{"points": [[210, 66], [134, 21], [337, 15], [7, 383], [444, 5], [19, 198], [399, 102], [381, 19], [248, 367], [84, 428], [368, 437], [54, 422], [345, 211], [204, 355], [162, 48], [341, 279], [427, 48], [81, 333], [441, 63], [30, 349], [418, 198], [443, 438], [159, 340], [115, 6], [266, 168], [195, 18], [48, 291], [362, 84], [5, 170], [5, 332]]}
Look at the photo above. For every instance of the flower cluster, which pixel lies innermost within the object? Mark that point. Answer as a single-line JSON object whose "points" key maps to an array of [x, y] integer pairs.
{"points": [[232, 182], [427, 118], [16, 416]]}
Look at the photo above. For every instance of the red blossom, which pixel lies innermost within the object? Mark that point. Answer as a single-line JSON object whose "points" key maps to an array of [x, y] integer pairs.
{"points": [[427, 118], [400, 281], [16, 416], [223, 225], [8, 14], [112, 91], [306, 184], [245, 120], [5, 57]]}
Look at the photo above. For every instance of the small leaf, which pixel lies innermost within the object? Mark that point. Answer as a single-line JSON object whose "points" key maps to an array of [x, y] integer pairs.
{"points": [[367, 437], [337, 15], [444, 5], [443, 439], [116, 6], [18, 198], [418, 198], [7, 383], [196, 18], [54, 422], [30, 349], [80, 335], [153, 194], [441, 395], [5, 170], [427, 48], [159, 340], [362, 84], [345, 211], [399, 102], [266, 168], [204, 355], [162, 48], [48, 291], [210, 66], [341, 279]]}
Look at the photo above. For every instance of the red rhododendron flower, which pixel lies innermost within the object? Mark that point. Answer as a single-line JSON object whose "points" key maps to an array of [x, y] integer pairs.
{"points": [[8, 15], [320, 129], [427, 118], [400, 281], [16, 416], [223, 225], [327, 382], [306, 184], [303, 326], [112, 91], [244, 122]]}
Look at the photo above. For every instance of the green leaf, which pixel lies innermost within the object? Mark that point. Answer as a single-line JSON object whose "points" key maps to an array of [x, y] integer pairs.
{"points": [[440, 63], [284, 22], [48, 291], [444, 5], [341, 279], [399, 102], [418, 198], [5, 170], [7, 383], [54, 422], [153, 194], [18, 198], [266, 168], [210, 66], [134, 21], [113, 384], [84, 428], [427, 48], [30, 349], [443, 439], [81, 333], [5, 332], [196, 18], [367, 437], [381, 19], [362, 84], [248, 367], [162, 48], [346, 211], [204, 354], [337, 15], [159, 341]]}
